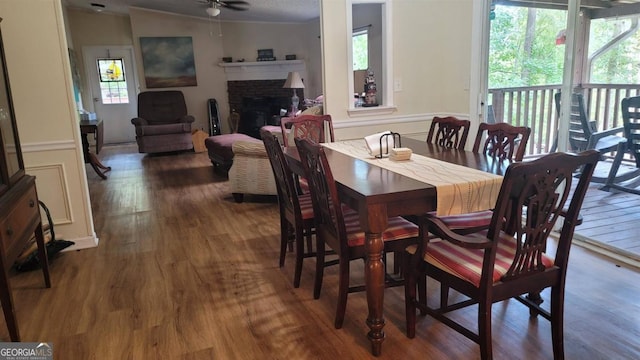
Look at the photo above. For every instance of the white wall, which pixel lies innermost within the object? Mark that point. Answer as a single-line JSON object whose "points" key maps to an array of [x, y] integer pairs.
{"points": [[41, 86], [431, 44]]}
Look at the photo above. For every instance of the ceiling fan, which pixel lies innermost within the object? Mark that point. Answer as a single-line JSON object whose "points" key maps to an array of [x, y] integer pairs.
{"points": [[214, 6]]}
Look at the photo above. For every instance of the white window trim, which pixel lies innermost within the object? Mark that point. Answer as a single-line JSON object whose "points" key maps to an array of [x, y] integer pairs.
{"points": [[387, 57]]}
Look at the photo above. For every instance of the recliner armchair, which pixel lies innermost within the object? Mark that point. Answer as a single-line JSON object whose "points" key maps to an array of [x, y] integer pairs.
{"points": [[163, 124]]}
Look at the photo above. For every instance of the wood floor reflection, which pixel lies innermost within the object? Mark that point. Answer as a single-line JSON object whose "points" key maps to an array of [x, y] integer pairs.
{"points": [[183, 272]]}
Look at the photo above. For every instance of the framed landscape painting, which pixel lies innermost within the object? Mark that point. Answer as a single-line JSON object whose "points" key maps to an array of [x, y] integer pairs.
{"points": [[168, 61]]}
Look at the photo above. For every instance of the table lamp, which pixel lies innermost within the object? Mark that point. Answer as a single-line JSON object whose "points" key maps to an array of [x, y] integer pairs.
{"points": [[294, 81]]}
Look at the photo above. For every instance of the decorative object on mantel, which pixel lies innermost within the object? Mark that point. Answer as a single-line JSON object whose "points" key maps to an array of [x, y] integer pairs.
{"points": [[227, 59], [168, 61], [370, 90], [265, 55], [294, 81], [290, 57]]}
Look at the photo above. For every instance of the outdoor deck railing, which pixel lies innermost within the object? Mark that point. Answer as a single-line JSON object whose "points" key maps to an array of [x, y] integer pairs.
{"points": [[534, 106]]}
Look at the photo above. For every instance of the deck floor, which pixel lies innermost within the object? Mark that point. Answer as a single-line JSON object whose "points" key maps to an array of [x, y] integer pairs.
{"points": [[610, 221]]}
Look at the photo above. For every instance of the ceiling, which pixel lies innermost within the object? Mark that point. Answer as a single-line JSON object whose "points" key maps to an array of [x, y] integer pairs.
{"points": [[259, 10]]}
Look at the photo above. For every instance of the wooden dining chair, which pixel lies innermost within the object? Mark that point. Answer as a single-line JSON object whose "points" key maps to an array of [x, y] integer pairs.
{"points": [[449, 132], [338, 226], [313, 127], [296, 210], [502, 140], [508, 258]]}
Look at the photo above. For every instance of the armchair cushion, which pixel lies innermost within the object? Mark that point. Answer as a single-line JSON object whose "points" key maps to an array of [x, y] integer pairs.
{"points": [[149, 130]]}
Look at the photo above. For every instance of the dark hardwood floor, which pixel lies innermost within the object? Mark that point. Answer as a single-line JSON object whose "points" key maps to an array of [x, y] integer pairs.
{"points": [[183, 272]]}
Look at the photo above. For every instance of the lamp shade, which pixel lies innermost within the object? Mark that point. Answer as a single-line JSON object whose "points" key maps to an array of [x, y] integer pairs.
{"points": [[213, 11], [294, 81]]}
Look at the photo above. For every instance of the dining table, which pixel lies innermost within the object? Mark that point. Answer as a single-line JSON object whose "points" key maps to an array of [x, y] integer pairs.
{"points": [[378, 192]]}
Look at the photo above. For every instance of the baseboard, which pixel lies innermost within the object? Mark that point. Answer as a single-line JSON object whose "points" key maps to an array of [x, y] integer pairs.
{"points": [[86, 242]]}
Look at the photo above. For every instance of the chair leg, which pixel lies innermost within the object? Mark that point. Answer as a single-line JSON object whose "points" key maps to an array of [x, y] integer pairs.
{"points": [[299, 236], [422, 293], [615, 166], [484, 329], [319, 267], [410, 296], [343, 292], [308, 235], [284, 239], [444, 296], [238, 197], [557, 321]]}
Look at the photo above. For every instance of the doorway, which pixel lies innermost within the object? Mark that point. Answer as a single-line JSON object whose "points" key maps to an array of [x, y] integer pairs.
{"points": [[113, 88], [526, 69]]}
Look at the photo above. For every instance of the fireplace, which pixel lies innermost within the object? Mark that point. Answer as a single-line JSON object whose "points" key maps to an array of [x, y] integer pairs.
{"points": [[255, 92], [259, 111]]}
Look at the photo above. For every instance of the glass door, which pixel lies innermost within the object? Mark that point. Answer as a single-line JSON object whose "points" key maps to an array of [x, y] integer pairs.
{"points": [[527, 52]]}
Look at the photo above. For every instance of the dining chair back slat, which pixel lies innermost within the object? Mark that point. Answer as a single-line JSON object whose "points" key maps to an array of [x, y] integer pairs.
{"points": [[449, 132], [502, 140]]}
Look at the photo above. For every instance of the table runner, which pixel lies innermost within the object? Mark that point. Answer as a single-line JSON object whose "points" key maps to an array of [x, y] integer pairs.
{"points": [[459, 189]]}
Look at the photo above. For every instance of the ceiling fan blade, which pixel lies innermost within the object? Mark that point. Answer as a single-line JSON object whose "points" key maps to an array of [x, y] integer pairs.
{"points": [[235, 5]]}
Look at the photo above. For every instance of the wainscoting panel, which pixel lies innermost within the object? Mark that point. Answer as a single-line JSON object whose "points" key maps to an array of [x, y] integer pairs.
{"points": [[53, 178]]}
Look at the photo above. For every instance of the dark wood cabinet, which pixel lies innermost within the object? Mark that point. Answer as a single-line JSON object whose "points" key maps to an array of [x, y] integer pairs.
{"points": [[19, 210]]}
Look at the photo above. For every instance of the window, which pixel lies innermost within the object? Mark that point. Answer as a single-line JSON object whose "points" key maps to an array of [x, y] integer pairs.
{"points": [[113, 83], [360, 49], [369, 58]]}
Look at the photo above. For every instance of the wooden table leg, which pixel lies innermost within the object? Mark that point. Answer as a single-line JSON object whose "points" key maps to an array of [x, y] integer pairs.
{"points": [[92, 159], [374, 273], [374, 279]]}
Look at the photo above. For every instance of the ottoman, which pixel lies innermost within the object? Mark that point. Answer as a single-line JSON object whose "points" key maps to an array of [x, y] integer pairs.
{"points": [[219, 148]]}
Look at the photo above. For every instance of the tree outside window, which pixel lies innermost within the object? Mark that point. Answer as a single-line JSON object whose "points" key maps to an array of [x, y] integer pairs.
{"points": [[361, 50]]}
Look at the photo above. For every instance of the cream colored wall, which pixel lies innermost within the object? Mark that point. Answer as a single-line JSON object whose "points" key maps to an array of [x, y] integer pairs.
{"points": [[431, 56], [313, 60], [241, 40], [207, 49], [90, 28], [41, 87]]}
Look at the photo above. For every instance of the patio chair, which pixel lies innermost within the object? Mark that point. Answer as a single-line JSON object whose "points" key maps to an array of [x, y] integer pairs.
{"points": [[508, 258], [583, 133], [631, 121]]}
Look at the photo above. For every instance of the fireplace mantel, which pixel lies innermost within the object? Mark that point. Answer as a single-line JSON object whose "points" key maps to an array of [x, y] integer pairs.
{"points": [[263, 70]]}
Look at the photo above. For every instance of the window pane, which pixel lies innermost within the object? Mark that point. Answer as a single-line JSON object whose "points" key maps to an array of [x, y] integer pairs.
{"points": [[361, 50], [113, 84]]}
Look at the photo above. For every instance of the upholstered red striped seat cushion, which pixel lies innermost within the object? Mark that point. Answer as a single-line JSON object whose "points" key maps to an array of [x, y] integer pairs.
{"points": [[398, 228], [304, 184], [466, 264], [474, 219], [306, 207]]}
